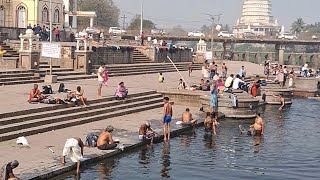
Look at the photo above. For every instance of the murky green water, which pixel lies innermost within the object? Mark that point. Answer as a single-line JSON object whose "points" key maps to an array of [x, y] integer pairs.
{"points": [[290, 149]]}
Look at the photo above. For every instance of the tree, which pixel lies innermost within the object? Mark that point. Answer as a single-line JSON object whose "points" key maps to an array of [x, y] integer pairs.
{"points": [[136, 21], [313, 28], [206, 29], [226, 27], [178, 31], [298, 26], [107, 13]]}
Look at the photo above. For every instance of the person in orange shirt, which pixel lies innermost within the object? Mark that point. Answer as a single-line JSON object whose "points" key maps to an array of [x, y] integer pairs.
{"points": [[35, 94]]}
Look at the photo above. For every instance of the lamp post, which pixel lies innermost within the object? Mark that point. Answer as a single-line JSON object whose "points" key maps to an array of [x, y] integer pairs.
{"points": [[50, 28], [141, 20]]}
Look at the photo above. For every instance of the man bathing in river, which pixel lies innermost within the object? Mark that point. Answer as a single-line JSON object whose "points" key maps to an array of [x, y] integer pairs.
{"points": [[256, 129], [210, 123], [187, 119], [282, 101], [146, 133], [74, 149], [167, 116], [105, 141]]}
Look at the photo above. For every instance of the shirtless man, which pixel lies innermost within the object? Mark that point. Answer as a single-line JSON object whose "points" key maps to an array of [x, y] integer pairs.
{"points": [[167, 116], [282, 101], [188, 120], [105, 141], [74, 149], [146, 133], [210, 123], [258, 125]]}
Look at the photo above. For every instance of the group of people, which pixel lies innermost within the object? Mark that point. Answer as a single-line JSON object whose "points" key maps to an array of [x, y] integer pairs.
{"points": [[282, 74], [44, 32], [210, 70]]}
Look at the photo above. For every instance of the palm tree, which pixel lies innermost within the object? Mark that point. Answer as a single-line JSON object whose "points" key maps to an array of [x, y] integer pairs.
{"points": [[298, 26]]}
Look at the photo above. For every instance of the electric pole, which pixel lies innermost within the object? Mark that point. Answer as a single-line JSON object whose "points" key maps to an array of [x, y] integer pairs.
{"points": [[124, 17]]}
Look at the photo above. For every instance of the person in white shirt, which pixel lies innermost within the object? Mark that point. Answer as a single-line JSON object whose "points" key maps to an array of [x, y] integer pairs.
{"points": [[229, 80], [101, 72], [236, 82]]}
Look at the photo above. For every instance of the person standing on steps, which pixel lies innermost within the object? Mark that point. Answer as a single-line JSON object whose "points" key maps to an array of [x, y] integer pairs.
{"points": [[167, 117], [224, 72], [101, 80], [74, 149], [190, 68]]}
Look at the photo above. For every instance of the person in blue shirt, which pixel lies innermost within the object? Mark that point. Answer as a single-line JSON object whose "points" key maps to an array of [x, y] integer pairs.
{"points": [[242, 72]]}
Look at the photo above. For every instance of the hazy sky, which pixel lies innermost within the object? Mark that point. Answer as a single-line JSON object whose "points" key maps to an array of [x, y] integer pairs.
{"points": [[191, 13]]}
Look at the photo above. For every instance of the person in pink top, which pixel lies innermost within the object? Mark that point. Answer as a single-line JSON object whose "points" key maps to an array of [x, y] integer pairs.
{"points": [[121, 91]]}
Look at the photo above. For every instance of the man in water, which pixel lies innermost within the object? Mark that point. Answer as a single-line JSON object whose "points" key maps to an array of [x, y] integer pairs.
{"points": [[74, 149], [282, 101], [258, 125], [167, 116], [146, 133], [187, 119], [105, 141], [210, 123]]}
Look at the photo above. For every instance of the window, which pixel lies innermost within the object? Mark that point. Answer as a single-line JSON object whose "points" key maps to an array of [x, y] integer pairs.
{"points": [[45, 15], [2, 16], [56, 16], [22, 17]]}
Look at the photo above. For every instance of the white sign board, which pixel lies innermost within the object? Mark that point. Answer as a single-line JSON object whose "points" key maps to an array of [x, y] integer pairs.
{"points": [[51, 50], [208, 55]]}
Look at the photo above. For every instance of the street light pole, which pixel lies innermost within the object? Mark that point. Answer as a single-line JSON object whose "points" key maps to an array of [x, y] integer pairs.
{"points": [[141, 20], [50, 28]]}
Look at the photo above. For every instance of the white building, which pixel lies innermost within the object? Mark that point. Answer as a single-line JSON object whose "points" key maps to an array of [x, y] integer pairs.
{"points": [[257, 18], [70, 8]]}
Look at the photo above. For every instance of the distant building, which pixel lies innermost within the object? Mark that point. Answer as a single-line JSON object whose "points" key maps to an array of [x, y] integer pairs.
{"points": [[257, 18], [21, 13]]}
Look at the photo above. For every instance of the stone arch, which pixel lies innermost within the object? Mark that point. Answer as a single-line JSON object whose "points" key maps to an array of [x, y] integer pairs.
{"points": [[45, 14], [22, 15], [56, 15], [2, 16]]}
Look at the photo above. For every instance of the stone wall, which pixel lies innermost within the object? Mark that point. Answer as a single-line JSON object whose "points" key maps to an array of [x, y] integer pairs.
{"points": [[8, 63], [176, 55], [184, 97], [111, 55], [306, 87]]}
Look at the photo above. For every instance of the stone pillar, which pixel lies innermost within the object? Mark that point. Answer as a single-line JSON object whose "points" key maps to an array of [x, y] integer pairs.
{"points": [[314, 60], [292, 59], [29, 58], [226, 47], [269, 57], [201, 51], [280, 53], [302, 59], [257, 58], [235, 56], [246, 56], [91, 21], [83, 57]]}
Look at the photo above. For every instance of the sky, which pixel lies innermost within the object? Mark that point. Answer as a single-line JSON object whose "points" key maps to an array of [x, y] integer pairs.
{"points": [[191, 14]]}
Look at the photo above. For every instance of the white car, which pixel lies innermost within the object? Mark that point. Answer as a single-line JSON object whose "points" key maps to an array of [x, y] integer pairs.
{"points": [[288, 36], [116, 30], [225, 34], [196, 34], [92, 30]]}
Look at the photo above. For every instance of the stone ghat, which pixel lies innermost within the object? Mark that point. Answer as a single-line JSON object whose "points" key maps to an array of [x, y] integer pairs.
{"points": [[246, 106]]}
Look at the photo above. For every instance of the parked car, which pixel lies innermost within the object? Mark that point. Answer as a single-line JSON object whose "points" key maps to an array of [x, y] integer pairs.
{"points": [[196, 34], [92, 30], [249, 35], [116, 30], [159, 32], [288, 36], [225, 34]]}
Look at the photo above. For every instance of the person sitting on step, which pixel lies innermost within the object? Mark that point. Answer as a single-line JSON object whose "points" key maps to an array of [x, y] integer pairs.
{"points": [[182, 85], [121, 91], [105, 141], [79, 96], [187, 119], [35, 94], [161, 78]]}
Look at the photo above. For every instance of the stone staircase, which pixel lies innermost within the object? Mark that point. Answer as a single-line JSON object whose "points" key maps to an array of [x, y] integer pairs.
{"points": [[138, 57], [10, 52], [12, 77], [34, 121]]}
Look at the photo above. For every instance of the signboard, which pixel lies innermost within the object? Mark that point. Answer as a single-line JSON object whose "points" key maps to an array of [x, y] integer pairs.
{"points": [[51, 50], [208, 55]]}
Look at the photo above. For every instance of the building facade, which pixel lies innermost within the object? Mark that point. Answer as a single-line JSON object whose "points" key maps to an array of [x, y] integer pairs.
{"points": [[21, 13], [257, 18]]}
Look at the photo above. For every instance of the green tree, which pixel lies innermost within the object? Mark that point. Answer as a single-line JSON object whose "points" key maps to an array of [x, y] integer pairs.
{"points": [[107, 13], [313, 28], [225, 27], [135, 23], [178, 31], [206, 29], [298, 26]]}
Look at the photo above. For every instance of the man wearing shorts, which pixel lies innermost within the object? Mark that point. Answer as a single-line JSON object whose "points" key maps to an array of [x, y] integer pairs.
{"points": [[187, 119], [101, 73], [167, 116]]}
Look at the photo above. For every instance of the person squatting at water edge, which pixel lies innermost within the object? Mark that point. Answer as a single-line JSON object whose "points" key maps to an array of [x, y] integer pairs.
{"points": [[6, 172], [146, 133], [73, 148], [167, 116], [256, 129], [211, 123], [187, 119], [105, 141]]}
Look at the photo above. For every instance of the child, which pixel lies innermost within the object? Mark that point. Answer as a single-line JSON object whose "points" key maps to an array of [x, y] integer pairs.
{"points": [[161, 78]]}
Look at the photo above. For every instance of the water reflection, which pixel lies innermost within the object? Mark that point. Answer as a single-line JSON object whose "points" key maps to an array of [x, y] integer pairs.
{"points": [[209, 140], [165, 160], [105, 169]]}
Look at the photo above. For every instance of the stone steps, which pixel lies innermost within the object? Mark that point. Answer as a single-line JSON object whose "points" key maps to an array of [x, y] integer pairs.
{"points": [[22, 78], [43, 121], [13, 75], [138, 57], [21, 82]]}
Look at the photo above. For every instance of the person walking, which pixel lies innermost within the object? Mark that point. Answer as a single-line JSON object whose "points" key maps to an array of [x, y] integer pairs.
{"points": [[102, 78], [56, 34]]}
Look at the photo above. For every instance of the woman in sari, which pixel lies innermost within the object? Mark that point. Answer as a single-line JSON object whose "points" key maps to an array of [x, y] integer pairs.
{"points": [[214, 98]]}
